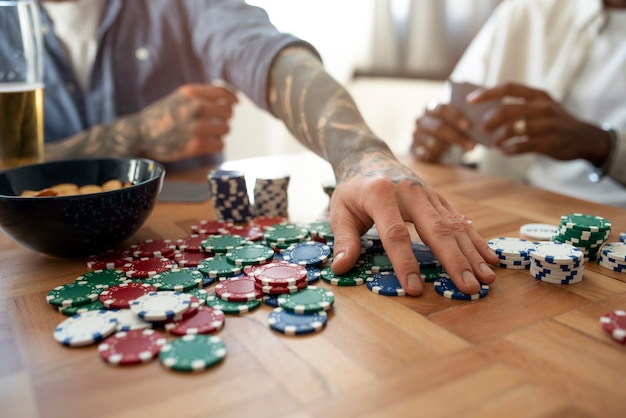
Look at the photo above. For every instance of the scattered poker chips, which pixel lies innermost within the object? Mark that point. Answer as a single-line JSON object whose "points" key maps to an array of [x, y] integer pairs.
{"points": [[85, 328], [192, 353], [218, 266], [556, 262], [586, 232], [310, 300], [111, 259], [285, 234], [446, 288], [238, 289], [233, 308], [131, 347], [280, 274], [513, 253], [161, 305], [354, 277], [290, 323], [205, 321], [190, 244], [307, 253], [221, 244], [612, 255], [73, 294], [424, 255], [189, 259], [321, 230], [614, 323], [385, 283], [250, 232], [159, 248], [120, 296], [375, 262], [209, 227], [103, 278], [73, 310], [177, 279], [146, 267], [251, 254], [127, 320]]}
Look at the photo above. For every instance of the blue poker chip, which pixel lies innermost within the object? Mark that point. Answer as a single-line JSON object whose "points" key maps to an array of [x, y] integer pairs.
{"points": [[313, 275], [271, 300], [385, 283], [424, 255], [622, 236], [307, 253], [446, 288], [289, 323]]}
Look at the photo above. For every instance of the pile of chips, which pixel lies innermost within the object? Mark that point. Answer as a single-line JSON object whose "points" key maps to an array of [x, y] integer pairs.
{"points": [[558, 263], [612, 255], [270, 196], [230, 195], [587, 232], [614, 323]]}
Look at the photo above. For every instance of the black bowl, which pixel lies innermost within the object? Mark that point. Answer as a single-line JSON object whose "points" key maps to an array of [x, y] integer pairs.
{"points": [[78, 225]]}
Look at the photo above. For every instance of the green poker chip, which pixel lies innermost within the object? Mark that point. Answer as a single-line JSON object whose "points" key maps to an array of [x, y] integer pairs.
{"points": [[221, 244], [177, 279], [233, 308], [376, 262], [192, 353], [73, 294], [585, 222], [200, 293], [355, 277], [250, 255], [430, 275], [321, 229], [103, 279], [309, 300], [73, 310], [285, 234], [218, 266]]}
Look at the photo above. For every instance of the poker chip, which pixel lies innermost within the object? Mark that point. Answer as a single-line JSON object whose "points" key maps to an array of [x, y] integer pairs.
{"points": [[190, 244], [278, 290], [189, 259], [103, 279], [131, 347], [424, 255], [270, 195], [146, 267], [238, 289], [85, 328], [281, 273], [307, 253], [585, 222], [622, 236], [614, 323], [221, 244], [513, 253], [218, 266], [313, 275], [206, 320], [285, 234], [586, 232], [446, 288], [120, 296], [265, 221], [109, 260], [232, 307], [73, 310], [310, 300], [612, 256], [321, 229], [161, 305], [251, 233], [209, 227], [271, 300], [430, 275], [556, 263], [128, 320], [375, 262], [537, 231], [192, 353], [230, 196], [158, 248], [251, 254], [385, 283], [73, 294], [355, 277], [555, 252], [200, 294], [177, 279], [290, 323]]}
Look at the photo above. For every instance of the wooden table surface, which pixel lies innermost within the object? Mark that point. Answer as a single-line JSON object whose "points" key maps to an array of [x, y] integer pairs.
{"points": [[527, 349]]}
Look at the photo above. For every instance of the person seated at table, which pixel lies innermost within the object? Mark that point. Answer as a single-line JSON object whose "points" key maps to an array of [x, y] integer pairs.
{"points": [[563, 62], [134, 78]]}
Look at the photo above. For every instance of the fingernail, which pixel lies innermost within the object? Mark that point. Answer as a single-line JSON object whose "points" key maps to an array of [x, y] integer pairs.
{"points": [[414, 281], [468, 277], [339, 256], [484, 268]]}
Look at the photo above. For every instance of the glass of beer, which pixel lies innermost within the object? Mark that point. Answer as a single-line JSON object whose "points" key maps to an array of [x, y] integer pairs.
{"points": [[21, 84]]}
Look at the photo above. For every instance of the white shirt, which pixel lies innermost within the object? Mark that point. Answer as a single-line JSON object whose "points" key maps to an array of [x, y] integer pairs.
{"points": [[570, 49]]}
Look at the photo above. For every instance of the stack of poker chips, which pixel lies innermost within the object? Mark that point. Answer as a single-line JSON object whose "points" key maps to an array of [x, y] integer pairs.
{"points": [[556, 262], [587, 232], [230, 196], [270, 196], [513, 253], [612, 255]]}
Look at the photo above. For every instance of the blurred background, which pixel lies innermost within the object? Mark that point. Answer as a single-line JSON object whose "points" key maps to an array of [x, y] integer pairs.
{"points": [[392, 55]]}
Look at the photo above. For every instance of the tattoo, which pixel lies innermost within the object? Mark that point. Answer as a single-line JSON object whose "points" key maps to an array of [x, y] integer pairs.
{"points": [[322, 115]]}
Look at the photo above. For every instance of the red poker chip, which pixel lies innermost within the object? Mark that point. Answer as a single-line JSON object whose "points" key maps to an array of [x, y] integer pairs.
{"points": [[205, 321], [265, 221], [191, 243], [158, 248], [120, 295], [109, 260], [185, 259], [615, 324], [251, 233], [282, 273], [238, 289], [147, 267], [131, 347], [250, 270], [280, 290], [211, 227]]}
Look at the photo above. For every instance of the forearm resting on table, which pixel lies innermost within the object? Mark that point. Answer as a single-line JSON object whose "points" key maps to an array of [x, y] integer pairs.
{"points": [[320, 113]]}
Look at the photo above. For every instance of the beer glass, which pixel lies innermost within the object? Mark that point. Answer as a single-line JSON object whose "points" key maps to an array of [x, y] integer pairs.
{"points": [[21, 84]]}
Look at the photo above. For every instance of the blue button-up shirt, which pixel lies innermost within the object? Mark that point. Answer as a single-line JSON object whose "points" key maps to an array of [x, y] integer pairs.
{"points": [[147, 48]]}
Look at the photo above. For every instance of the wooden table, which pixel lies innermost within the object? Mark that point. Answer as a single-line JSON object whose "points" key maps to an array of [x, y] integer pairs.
{"points": [[528, 349]]}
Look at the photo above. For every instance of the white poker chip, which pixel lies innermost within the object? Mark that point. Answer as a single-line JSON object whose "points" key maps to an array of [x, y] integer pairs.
{"points": [[556, 252], [161, 305], [128, 320], [86, 328], [614, 250], [538, 231]]}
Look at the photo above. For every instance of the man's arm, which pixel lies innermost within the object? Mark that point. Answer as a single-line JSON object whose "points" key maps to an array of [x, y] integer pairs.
{"points": [[372, 186]]}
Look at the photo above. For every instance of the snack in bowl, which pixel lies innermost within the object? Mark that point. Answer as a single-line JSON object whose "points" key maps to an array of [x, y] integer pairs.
{"points": [[76, 225]]}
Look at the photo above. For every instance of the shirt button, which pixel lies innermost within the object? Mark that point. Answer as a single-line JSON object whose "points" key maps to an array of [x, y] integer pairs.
{"points": [[142, 54]]}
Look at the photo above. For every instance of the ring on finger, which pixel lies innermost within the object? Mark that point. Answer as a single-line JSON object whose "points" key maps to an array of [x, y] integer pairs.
{"points": [[519, 127]]}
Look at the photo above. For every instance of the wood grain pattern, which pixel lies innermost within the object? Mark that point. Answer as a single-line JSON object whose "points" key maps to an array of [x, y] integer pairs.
{"points": [[529, 349]]}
